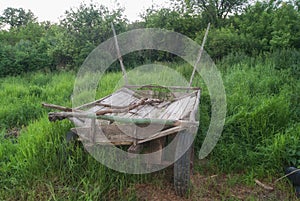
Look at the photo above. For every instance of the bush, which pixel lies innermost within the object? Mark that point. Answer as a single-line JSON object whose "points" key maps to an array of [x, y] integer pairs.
{"points": [[223, 41]]}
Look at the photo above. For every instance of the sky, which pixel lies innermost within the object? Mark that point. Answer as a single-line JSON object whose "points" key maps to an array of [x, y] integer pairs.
{"points": [[53, 10]]}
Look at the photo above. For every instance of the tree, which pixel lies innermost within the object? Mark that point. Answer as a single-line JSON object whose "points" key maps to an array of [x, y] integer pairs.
{"points": [[213, 11], [16, 17], [88, 26]]}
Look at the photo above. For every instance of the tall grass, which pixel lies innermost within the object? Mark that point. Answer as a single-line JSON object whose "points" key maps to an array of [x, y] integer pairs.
{"points": [[36, 166], [261, 133], [262, 118]]}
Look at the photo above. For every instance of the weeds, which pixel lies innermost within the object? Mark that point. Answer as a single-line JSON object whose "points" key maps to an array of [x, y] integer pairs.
{"points": [[261, 135]]}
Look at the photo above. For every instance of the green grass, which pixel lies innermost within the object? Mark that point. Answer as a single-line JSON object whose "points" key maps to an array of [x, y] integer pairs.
{"points": [[261, 134]]}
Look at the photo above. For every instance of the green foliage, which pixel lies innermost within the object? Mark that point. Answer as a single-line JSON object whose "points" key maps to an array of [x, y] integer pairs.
{"points": [[261, 118], [88, 26], [214, 12], [166, 18], [31, 46], [281, 150], [23, 96], [253, 29], [223, 41], [23, 50], [35, 165], [269, 26], [261, 133], [16, 17]]}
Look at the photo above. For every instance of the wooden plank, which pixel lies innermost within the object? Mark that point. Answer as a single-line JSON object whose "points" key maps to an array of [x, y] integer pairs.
{"points": [[140, 111], [196, 105], [168, 87], [103, 141], [119, 99], [133, 112], [154, 146], [104, 135], [173, 110], [188, 108], [184, 95], [77, 121], [93, 130], [92, 103], [102, 99], [180, 108], [143, 112], [128, 113], [125, 109], [167, 110], [161, 134], [195, 109], [94, 109]]}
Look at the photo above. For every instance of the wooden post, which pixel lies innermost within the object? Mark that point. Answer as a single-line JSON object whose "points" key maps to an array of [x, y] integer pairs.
{"points": [[199, 56], [119, 55], [93, 130]]}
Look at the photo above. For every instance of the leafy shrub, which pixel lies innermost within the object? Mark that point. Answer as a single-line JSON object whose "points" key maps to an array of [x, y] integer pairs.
{"points": [[223, 41]]}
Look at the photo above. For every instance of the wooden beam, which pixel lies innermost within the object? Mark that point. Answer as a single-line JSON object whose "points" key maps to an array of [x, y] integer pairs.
{"points": [[168, 87], [58, 107], [167, 122]]}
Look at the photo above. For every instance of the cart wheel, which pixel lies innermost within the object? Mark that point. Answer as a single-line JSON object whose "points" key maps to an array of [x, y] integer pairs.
{"points": [[71, 143], [71, 137], [183, 164]]}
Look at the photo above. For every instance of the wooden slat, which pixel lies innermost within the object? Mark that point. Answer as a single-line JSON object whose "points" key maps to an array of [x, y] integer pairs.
{"points": [[119, 99], [143, 112], [92, 103], [161, 134], [94, 109], [194, 111], [173, 108], [124, 114], [188, 108], [169, 87], [131, 113], [167, 110], [180, 109], [87, 105]]}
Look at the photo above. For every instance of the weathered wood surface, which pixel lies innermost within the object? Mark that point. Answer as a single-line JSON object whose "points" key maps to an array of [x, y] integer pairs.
{"points": [[168, 122], [168, 87], [126, 107], [61, 108], [161, 134], [108, 134]]}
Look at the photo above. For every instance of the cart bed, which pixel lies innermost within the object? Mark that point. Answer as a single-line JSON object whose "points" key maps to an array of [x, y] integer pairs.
{"points": [[180, 106]]}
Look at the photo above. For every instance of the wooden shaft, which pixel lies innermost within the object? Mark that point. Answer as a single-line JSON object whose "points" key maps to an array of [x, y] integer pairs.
{"points": [[116, 118], [119, 54], [58, 107], [199, 56]]}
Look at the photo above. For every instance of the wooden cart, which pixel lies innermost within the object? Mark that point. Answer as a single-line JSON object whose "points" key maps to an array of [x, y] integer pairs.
{"points": [[123, 116]]}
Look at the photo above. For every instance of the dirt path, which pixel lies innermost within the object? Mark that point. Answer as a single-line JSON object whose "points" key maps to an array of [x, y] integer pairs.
{"points": [[211, 187]]}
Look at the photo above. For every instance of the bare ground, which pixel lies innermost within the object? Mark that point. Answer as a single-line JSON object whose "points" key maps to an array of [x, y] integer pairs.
{"points": [[211, 187]]}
